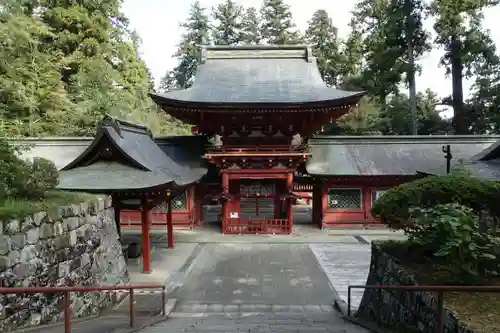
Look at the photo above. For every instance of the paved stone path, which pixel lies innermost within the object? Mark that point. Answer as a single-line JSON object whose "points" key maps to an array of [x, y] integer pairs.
{"points": [[345, 264], [256, 274], [255, 288]]}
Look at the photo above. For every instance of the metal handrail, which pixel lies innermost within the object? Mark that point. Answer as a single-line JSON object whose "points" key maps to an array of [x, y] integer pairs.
{"points": [[68, 290], [438, 289]]}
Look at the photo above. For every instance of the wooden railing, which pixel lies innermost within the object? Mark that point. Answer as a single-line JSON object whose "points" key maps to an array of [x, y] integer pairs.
{"points": [[257, 226], [256, 148], [67, 299]]}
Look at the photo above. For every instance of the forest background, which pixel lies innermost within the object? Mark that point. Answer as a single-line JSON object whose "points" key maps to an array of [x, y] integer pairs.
{"points": [[64, 64]]}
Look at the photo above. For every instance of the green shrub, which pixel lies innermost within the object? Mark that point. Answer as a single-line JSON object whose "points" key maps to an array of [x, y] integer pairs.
{"points": [[451, 231], [42, 177], [24, 179], [393, 208]]}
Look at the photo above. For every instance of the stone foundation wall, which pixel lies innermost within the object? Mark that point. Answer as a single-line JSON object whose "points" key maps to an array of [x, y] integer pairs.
{"points": [[72, 245], [407, 310]]}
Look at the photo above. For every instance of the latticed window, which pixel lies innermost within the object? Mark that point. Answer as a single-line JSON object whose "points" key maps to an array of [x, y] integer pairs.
{"points": [[344, 198], [376, 194], [178, 203]]}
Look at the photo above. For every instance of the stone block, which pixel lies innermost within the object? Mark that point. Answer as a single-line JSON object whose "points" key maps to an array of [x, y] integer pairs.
{"points": [[39, 218], [5, 244], [12, 227], [33, 235], [70, 223], [64, 269], [46, 231], [14, 257], [58, 229], [27, 253], [18, 241]]}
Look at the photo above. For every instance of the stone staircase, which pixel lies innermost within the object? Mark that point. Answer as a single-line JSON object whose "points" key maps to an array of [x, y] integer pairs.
{"points": [[254, 318]]}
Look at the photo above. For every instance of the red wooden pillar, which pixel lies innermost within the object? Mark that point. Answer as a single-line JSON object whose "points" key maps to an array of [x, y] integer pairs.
{"points": [[289, 188], [190, 205], [146, 244], [199, 194], [170, 224], [225, 190], [318, 203]]}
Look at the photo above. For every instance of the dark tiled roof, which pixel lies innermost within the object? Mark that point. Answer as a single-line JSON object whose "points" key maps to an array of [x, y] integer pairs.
{"points": [[389, 155], [140, 163], [489, 170], [257, 75]]}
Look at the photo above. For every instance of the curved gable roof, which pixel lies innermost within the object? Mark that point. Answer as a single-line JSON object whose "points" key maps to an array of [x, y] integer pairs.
{"points": [[257, 75], [124, 156]]}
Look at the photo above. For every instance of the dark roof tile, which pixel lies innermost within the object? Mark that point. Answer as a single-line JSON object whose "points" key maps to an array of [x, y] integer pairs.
{"points": [[389, 155], [258, 75]]}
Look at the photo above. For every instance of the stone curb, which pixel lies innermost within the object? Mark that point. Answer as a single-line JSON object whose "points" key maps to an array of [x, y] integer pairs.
{"points": [[367, 325]]}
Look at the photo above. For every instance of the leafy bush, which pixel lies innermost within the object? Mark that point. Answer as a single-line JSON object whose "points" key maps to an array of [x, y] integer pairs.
{"points": [[393, 208], [24, 179], [451, 231]]}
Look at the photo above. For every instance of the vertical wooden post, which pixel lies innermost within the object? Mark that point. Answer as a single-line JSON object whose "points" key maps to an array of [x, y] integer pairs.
{"points": [[170, 225], [199, 194], [225, 189], [146, 244], [190, 205], [289, 188]]}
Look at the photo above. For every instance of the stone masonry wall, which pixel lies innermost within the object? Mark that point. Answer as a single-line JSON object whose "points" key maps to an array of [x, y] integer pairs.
{"points": [[408, 310], [72, 245]]}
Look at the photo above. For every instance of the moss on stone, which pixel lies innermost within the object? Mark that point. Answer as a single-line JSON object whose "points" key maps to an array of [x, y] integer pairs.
{"points": [[12, 208]]}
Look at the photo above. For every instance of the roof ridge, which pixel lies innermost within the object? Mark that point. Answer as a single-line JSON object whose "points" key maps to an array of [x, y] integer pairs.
{"points": [[120, 125], [297, 51]]}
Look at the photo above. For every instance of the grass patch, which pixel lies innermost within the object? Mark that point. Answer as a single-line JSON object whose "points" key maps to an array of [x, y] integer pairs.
{"points": [[479, 310], [12, 208]]}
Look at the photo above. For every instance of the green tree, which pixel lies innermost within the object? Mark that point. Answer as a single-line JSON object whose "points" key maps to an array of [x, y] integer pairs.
{"points": [[228, 26], [468, 49], [251, 32], [322, 34], [31, 92], [197, 32], [394, 118], [277, 23], [351, 60]]}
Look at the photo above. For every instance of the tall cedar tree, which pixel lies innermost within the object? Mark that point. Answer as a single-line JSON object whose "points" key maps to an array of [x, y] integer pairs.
{"points": [[82, 63], [322, 34], [468, 49], [197, 32], [251, 32], [228, 26], [277, 23]]}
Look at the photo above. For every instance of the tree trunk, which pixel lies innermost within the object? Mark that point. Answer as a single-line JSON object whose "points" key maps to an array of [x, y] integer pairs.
{"points": [[412, 87], [460, 124]]}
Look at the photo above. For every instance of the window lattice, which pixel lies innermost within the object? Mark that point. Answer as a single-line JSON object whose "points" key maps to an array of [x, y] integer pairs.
{"points": [[178, 203], [344, 198]]}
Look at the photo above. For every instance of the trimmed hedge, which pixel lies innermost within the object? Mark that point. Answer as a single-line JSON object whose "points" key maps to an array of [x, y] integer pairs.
{"points": [[393, 208]]}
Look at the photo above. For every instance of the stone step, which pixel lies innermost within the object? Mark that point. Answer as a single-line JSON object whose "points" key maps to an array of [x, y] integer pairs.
{"points": [[201, 308]]}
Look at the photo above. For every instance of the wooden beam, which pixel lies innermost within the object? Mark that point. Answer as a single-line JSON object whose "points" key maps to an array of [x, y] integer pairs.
{"points": [[146, 243], [170, 225]]}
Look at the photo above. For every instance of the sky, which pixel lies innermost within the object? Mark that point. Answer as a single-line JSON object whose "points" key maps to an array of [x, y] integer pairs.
{"points": [[157, 22]]}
